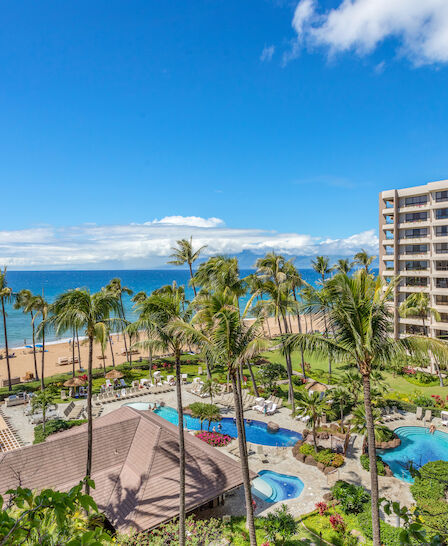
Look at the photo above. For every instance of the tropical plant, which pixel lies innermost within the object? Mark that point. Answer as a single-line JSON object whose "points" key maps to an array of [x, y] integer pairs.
{"points": [[269, 374], [161, 315], [343, 265], [117, 289], [90, 312], [41, 308], [361, 322], [364, 260], [42, 401], [418, 305], [232, 343], [5, 296], [210, 388], [50, 517], [313, 406], [351, 497], [24, 301], [184, 254], [280, 525], [205, 412]]}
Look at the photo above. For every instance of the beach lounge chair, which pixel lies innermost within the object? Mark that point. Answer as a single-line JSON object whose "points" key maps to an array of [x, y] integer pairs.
{"points": [[419, 413], [428, 417], [397, 412], [62, 361], [122, 383], [444, 417], [108, 383], [271, 409]]}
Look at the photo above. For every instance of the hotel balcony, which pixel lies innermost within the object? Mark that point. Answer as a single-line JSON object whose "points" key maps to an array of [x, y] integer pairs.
{"points": [[413, 289]]}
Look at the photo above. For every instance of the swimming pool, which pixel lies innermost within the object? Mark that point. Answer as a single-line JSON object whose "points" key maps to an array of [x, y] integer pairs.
{"points": [[418, 446], [256, 431], [274, 487]]}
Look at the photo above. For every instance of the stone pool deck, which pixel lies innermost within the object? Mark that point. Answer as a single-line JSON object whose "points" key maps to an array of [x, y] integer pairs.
{"points": [[316, 484]]}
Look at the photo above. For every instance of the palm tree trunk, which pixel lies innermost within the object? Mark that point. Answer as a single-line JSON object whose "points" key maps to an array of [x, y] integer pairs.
{"points": [[103, 356], [111, 351], [34, 347], [6, 345], [44, 414], [192, 281], [244, 461], [252, 376], [124, 335], [299, 325], [269, 328], [180, 413], [89, 416], [150, 363], [439, 373], [372, 461], [289, 371], [79, 350], [73, 354], [42, 368]]}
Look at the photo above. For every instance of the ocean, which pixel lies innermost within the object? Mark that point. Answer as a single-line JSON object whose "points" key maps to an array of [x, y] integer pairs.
{"points": [[53, 283]]}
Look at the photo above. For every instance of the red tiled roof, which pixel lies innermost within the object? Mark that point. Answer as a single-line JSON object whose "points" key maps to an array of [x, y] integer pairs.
{"points": [[135, 468]]}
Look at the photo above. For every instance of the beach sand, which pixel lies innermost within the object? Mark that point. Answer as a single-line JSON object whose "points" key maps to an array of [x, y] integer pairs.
{"points": [[23, 360]]}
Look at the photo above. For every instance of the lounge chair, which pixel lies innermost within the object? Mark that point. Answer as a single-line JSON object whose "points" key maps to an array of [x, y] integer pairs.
{"points": [[62, 361], [271, 409], [428, 416], [419, 413], [397, 412], [444, 417], [184, 378]]}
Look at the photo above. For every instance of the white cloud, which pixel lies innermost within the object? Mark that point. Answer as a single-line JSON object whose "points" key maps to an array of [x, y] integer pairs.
{"points": [[149, 244], [267, 53], [420, 26]]}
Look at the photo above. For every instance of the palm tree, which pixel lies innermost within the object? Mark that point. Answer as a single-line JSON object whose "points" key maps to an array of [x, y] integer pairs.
{"points": [[417, 305], [117, 289], [5, 297], [321, 265], [312, 405], [24, 301], [343, 265], [91, 313], [158, 314], [210, 388], [233, 343], [361, 321], [363, 259], [41, 308], [184, 254], [43, 400], [341, 397]]}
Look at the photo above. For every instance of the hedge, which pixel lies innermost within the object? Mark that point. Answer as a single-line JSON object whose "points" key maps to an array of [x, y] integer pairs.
{"points": [[52, 427], [390, 536], [365, 463]]}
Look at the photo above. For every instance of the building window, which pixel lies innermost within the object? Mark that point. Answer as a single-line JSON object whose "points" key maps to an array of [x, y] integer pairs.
{"points": [[415, 233], [441, 265], [415, 216], [415, 249], [441, 231], [441, 300], [441, 196], [416, 266], [441, 283], [416, 281], [441, 248], [415, 201], [441, 214]]}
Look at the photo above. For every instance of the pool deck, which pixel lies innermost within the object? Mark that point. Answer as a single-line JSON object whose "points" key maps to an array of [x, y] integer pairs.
{"points": [[281, 460]]}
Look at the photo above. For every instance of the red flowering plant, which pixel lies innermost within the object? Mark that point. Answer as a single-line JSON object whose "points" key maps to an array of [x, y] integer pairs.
{"points": [[337, 523], [322, 508], [409, 371], [83, 377], [215, 439]]}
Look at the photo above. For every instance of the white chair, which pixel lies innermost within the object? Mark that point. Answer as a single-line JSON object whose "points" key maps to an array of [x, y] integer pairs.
{"points": [[271, 409], [123, 383], [444, 417], [108, 383], [184, 378]]}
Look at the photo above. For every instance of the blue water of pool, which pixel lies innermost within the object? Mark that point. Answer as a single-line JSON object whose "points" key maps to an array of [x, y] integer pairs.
{"points": [[256, 431], [418, 446], [273, 487]]}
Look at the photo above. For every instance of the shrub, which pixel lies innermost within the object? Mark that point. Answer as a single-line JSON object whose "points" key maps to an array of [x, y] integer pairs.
{"points": [[337, 523], [280, 525], [324, 456], [307, 449], [390, 536], [383, 434], [52, 427], [365, 463], [322, 508], [215, 439], [351, 497]]}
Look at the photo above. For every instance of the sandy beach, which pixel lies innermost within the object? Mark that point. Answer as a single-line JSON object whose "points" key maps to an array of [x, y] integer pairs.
{"points": [[23, 360]]}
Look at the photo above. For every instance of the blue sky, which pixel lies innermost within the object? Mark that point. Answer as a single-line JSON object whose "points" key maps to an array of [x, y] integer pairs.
{"points": [[278, 120]]}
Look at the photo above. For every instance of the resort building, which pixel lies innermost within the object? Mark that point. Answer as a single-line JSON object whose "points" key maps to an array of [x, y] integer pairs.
{"points": [[135, 468], [413, 228]]}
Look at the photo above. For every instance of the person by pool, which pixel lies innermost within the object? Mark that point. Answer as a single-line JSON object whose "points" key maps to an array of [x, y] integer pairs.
{"points": [[214, 429], [432, 429], [219, 426]]}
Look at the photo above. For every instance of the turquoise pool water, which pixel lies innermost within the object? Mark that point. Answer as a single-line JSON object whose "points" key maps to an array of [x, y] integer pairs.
{"points": [[256, 431], [418, 446], [273, 487]]}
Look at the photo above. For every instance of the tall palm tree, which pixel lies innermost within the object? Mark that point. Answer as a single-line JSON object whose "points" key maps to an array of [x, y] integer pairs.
{"points": [[184, 254], [233, 343], [321, 265], [5, 296], [343, 265], [89, 312], [117, 289], [364, 260], [24, 301], [158, 314], [361, 321], [41, 308], [312, 405], [417, 305]]}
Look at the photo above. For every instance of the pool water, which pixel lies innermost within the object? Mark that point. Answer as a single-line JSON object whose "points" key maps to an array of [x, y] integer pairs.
{"points": [[256, 431], [418, 446], [273, 487]]}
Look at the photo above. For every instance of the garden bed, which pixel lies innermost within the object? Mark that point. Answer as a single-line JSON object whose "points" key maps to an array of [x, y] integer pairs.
{"points": [[324, 459]]}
